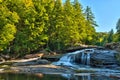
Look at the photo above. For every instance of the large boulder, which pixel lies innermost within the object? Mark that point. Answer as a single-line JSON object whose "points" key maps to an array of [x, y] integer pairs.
{"points": [[114, 46], [104, 58]]}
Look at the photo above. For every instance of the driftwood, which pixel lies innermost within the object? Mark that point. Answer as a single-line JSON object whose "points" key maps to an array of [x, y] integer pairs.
{"points": [[34, 55], [27, 58]]}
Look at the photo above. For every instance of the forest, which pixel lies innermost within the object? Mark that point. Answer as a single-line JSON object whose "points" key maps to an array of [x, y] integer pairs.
{"points": [[30, 25]]}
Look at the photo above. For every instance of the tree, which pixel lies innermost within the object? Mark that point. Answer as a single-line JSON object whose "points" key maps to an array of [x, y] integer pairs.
{"points": [[56, 26], [118, 26], [30, 25], [110, 36], [90, 17], [118, 30], [79, 21], [71, 33], [8, 20], [90, 25], [29, 36], [101, 38]]}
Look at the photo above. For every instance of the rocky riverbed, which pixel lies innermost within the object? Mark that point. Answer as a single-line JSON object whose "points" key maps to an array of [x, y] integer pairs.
{"points": [[38, 64], [34, 65]]}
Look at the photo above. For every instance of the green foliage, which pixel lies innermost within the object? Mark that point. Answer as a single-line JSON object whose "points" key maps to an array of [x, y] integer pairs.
{"points": [[118, 26], [101, 38], [30, 28], [6, 35], [116, 37], [29, 25], [56, 25], [70, 28], [7, 26], [90, 25], [90, 17], [118, 30], [110, 36]]}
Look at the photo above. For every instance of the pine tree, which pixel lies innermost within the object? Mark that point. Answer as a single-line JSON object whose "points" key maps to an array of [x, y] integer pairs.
{"points": [[90, 25], [118, 30], [90, 17], [118, 26], [56, 24], [110, 36], [70, 31], [79, 20]]}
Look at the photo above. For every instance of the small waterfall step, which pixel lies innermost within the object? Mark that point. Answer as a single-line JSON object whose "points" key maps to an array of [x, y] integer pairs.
{"points": [[83, 56]]}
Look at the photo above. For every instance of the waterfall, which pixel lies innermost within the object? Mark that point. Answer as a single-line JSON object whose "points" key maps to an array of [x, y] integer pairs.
{"points": [[81, 56], [88, 59], [85, 57], [67, 59]]}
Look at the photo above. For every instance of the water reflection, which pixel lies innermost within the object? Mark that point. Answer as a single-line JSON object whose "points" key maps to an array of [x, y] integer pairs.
{"points": [[39, 76], [88, 76], [81, 76]]}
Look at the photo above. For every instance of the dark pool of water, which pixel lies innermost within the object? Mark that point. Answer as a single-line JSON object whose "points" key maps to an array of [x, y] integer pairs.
{"points": [[39, 76]]}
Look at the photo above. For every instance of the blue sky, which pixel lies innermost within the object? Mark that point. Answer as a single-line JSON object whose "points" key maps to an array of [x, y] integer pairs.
{"points": [[106, 12]]}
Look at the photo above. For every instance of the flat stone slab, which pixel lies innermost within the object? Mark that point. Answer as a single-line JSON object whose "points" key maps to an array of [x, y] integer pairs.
{"points": [[46, 69]]}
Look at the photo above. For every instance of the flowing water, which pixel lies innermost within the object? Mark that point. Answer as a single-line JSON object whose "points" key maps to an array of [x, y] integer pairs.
{"points": [[81, 57], [78, 60]]}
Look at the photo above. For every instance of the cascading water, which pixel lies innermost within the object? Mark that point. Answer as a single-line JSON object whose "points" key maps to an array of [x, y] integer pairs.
{"points": [[84, 61], [88, 59], [85, 57], [67, 59], [81, 56]]}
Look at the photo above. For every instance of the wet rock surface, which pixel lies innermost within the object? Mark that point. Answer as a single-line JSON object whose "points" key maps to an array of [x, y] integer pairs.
{"points": [[104, 58], [33, 65], [46, 69], [101, 58], [33, 62], [95, 57], [114, 46]]}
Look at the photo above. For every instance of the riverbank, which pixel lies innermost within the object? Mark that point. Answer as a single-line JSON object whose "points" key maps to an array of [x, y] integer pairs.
{"points": [[32, 65], [59, 70], [40, 70], [43, 64]]}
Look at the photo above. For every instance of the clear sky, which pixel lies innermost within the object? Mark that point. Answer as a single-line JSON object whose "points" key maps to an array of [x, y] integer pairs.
{"points": [[106, 12]]}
